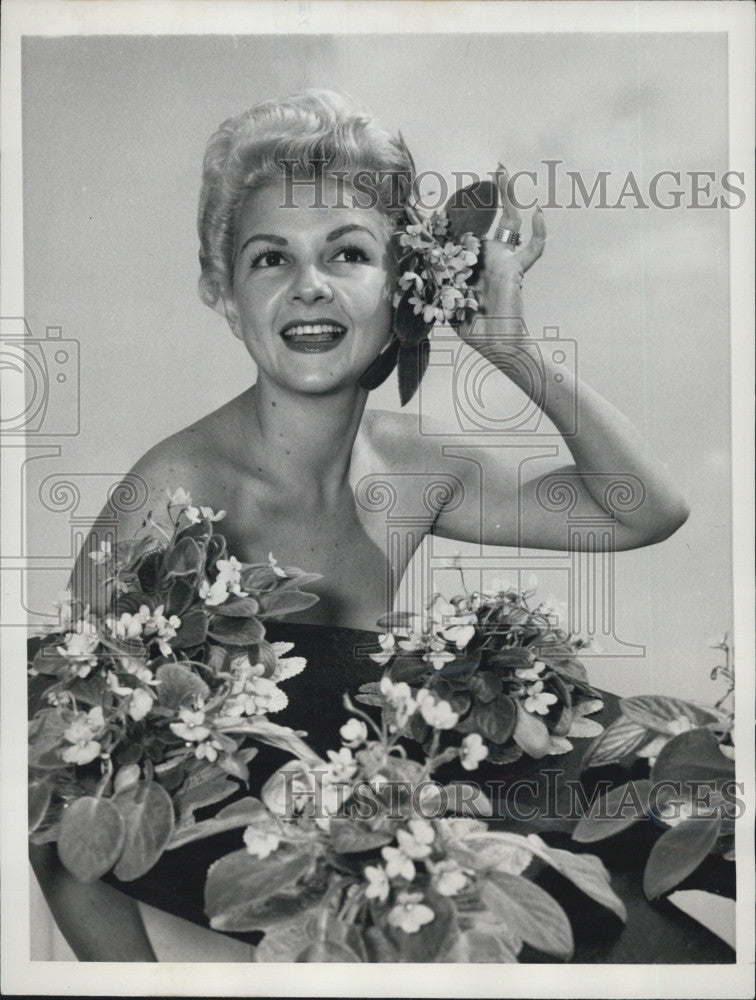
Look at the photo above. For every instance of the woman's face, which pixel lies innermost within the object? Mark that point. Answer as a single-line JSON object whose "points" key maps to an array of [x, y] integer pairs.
{"points": [[312, 285]]}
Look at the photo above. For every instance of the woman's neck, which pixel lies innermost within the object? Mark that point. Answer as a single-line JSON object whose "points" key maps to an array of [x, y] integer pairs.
{"points": [[308, 437]]}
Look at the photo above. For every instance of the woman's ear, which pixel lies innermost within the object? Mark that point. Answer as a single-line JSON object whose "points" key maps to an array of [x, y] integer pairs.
{"points": [[226, 306]]}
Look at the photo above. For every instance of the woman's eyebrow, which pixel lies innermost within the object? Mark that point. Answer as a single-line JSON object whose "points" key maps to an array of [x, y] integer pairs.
{"points": [[264, 238], [337, 233]]}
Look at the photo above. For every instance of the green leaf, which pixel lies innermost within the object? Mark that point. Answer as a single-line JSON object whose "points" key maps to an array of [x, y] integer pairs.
{"points": [[616, 811], [259, 578], [531, 733], [185, 558], [45, 734], [192, 631], [587, 872], [486, 942], [283, 942], [179, 685], [147, 813], [49, 661], [39, 800], [244, 893], [495, 720], [412, 363], [349, 836], [180, 597], [235, 631], [693, 756], [205, 793], [327, 951], [485, 686], [472, 209], [410, 669], [91, 837], [504, 661], [396, 620], [656, 712], [245, 812], [286, 602], [463, 803], [378, 946], [617, 742], [529, 912], [677, 853], [238, 607]]}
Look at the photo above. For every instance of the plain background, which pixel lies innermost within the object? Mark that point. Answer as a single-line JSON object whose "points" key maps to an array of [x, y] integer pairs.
{"points": [[114, 130]]}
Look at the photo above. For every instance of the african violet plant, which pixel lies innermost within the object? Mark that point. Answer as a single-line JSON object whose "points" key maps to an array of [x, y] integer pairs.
{"points": [[143, 714]]}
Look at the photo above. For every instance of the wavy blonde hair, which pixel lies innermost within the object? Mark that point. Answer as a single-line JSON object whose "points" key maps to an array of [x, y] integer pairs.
{"points": [[310, 133]]}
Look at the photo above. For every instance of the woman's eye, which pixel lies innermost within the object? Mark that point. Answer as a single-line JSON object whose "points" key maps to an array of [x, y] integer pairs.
{"points": [[268, 258], [351, 255]]}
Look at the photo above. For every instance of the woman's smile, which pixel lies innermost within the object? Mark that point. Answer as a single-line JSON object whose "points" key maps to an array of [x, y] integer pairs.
{"points": [[313, 335]]}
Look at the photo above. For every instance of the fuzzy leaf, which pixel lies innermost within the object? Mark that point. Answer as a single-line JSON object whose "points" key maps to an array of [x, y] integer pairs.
{"points": [[531, 733], [677, 853], [192, 631], [495, 720], [45, 734], [614, 812], [179, 598], [485, 686], [350, 836], [434, 940], [238, 607], [286, 602], [587, 872], [91, 837], [39, 800], [396, 621], [407, 668], [179, 685], [242, 813], [184, 559], [530, 913], [206, 793], [617, 742], [486, 942], [692, 756], [235, 631], [147, 813], [656, 712], [412, 363], [244, 893], [49, 661], [472, 209]]}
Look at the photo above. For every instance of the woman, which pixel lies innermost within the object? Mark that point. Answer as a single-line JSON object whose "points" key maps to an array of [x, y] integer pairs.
{"points": [[296, 251]]}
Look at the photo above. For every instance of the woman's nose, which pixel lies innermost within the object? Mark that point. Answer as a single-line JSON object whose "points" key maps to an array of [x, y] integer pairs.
{"points": [[310, 285]]}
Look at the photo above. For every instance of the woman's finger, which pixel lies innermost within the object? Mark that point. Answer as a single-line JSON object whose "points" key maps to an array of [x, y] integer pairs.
{"points": [[534, 247], [510, 216]]}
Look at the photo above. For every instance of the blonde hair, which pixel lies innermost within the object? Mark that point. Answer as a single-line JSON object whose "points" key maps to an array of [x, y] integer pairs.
{"points": [[310, 133]]}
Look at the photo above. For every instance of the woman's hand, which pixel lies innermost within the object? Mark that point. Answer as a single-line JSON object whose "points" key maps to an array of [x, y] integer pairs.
{"points": [[499, 286]]}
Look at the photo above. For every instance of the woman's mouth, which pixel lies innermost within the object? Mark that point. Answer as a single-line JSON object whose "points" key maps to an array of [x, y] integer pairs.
{"points": [[313, 337]]}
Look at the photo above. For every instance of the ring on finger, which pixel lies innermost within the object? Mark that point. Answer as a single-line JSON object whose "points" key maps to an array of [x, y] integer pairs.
{"points": [[507, 236]]}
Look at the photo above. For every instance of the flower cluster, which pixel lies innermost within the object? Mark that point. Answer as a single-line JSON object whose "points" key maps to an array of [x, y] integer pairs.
{"points": [[381, 872], [489, 666], [436, 269], [159, 695]]}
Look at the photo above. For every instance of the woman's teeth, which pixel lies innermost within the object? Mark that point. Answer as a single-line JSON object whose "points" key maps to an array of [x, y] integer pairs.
{"points": [[323, 331]]}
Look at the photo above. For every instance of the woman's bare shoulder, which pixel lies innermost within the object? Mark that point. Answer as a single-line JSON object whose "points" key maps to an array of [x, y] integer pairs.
{"points": [[396, 438]]}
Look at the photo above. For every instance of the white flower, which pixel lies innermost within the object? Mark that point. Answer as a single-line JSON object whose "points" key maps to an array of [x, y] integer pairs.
{"points": [[448, 877], [80, 733], [79, 647], [354, 732], [102, 555], [387, 643], [273, 563], [398, 864], [260, 845], [452, 626], [438, 658], [256, 695], [215, 593], [343, 766], [140, 704], [410, 913], [191, 728], [179, 498], [416, 842], [531, 673], [538, 700], [438, 714], [472, 751], [207, 750], [378, 883], [229, 570], [399, 697]]}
